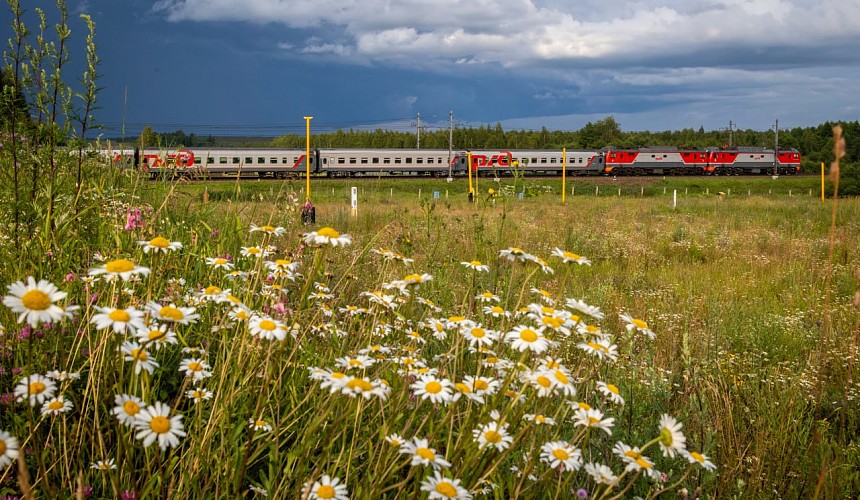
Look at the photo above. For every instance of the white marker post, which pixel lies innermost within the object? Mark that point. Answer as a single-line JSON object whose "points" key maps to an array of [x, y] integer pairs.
{"points": [[674, 199], [354, 201]]}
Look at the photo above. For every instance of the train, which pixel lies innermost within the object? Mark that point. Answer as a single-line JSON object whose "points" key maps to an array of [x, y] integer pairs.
{"points": [[282, 163]]}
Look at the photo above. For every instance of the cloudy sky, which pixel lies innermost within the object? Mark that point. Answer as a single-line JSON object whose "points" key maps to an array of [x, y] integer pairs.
{"points": [[259, 66]]}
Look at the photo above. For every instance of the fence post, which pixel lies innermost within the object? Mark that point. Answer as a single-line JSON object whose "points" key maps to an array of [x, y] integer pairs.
{"points": [[674, 198]]}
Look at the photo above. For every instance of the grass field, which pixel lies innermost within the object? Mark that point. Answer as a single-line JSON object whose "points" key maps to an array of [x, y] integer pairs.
{"points": [[717, 334]]}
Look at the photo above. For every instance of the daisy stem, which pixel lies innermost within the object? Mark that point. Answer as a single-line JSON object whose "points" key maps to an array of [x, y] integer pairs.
{"points": [[318, 254], [622, 492], [673, 485]]}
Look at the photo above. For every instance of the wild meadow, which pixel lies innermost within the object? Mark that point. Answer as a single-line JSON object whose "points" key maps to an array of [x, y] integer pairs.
{"points": [[190, 340]]}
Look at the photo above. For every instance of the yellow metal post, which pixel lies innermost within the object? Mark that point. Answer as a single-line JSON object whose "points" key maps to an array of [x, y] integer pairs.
{"points": [[563, 173], [469, 169], [308, 158], [822, 181]]}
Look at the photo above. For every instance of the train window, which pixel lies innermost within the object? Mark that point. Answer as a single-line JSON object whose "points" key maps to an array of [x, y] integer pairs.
{"points": [[386, 160], [198, 160], [235, 160], [353, 161], [408, 160], [580, 160], [665, 156], [284, 160], [364, 161], [248, 159], [222, 160], [376, 161], [273, 160], [398, 161], [210, 160], [261, 160], [552, 160], [429, 160], [543, 160], [534, 160], [419, 160], [341, 161]]}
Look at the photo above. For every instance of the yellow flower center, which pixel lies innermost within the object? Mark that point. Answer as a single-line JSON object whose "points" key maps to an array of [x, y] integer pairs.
{"points": [[194, 366], [498, 309], [360, 384], [584, 406], [2, 447], [337, 375], [640, 324], [413, 278], [159, 424], [552, 321], [196, 394], [267, 325], [220, 261], [632, 454], [328, 232], [156, 334], [463, 388], [540, 418], [426, 454], [252, 250], [543, 381], [642, 463], [119, 315], [268, 229], [476, 263], [446, 489], [596, 347], [492, 437], [55, 405], [260, 423], [696, 456], [612, 388], [666, 437], [37, 388], [481, 385], [212, 290], [593, 421], [433, 387], [552, 364], [325, 491], [561, 377], [139, 354], [528, 335], [456, 319], [119, 266], [560, 454], [36, 300], [159, 242], [478, 333], [131, 408], [171, 312], [571, 255]]}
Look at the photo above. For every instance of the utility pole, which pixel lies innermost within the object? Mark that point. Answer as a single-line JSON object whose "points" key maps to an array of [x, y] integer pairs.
{"points": [[731, 130], [776, 149], [450, 140], [418, 128]]}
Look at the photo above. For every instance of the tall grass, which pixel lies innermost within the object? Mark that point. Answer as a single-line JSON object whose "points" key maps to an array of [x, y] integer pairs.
{"points": [[732, 290]]}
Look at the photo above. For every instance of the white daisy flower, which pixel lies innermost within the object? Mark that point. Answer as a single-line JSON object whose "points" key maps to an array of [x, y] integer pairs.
{"points": [[35, 302], [581, 306], [139, 357], [104, 465], [438, 391], [160, 244], [611, 392], [195, 368], [118, 320], [526, 338], [172, 313], [259, 425], [699, 458], [422, 454], [328, 488], [326, 236], [266, 327], [122, 268], [593, 418], [442, 488], [8, 449], [35, 389], [561, 453], [637, 325], [156, 336], [672, 440], [601, 474], [267, 229], [493, 435], [198, 394], [568, 257], [127, 408], [477, 266], [154, 423], [56, 405]]}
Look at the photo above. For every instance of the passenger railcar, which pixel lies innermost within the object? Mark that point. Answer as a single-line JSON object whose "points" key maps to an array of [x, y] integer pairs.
{"points": [[279, 163]]}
